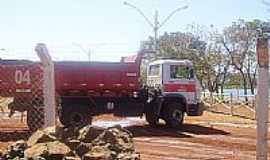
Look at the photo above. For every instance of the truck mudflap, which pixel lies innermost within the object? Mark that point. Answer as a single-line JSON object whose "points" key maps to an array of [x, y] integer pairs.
{"points": [[195, 109]]}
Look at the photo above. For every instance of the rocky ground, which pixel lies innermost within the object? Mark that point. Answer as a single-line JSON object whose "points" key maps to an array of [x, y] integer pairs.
{"points": [[209, 137], [87, 143]]}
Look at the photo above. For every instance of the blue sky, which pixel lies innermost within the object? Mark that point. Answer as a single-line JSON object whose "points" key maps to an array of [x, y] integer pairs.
{"points": [[109, 28]]}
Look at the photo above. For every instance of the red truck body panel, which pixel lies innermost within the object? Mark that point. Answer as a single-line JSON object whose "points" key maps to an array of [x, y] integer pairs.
{"points": [[101, 79], [97, 78], [19, 77]]}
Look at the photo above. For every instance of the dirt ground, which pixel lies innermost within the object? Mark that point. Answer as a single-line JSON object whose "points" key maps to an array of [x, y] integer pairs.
{"points": [[209, 137]]}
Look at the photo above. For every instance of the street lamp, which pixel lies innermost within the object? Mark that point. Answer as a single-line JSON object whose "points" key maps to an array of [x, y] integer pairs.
{"points": [[156, 25], [87, 52]]}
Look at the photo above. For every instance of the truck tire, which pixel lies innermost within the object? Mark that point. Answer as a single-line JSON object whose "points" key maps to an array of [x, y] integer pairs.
{"points": [[174, 115], [75, 117], [35, 118], [150, 115]]}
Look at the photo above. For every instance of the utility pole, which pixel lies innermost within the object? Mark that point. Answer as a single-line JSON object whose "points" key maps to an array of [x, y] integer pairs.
{"points": [[262, 96], [87, 52], [156, 44], [156, 25]]}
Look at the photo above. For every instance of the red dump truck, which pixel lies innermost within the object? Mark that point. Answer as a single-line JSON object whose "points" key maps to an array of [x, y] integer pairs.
{"points": [[85, 89]]}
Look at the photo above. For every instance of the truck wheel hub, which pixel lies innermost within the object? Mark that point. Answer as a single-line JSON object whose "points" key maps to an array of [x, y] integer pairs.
{"points": [[177, 115], [77, 119]]}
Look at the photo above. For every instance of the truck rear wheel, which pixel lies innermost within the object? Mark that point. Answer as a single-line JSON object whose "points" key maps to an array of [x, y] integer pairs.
{"points": [[79, 119], [35, 118], [75, 116], [174, 115]]}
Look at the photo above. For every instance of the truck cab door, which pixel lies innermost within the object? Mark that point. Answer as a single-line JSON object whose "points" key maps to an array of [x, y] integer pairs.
{"points": [[179, 79], [154, 75]]}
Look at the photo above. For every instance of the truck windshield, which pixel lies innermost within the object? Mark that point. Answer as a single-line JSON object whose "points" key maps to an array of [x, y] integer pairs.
{"points": [[180, 72], [154, 70]]}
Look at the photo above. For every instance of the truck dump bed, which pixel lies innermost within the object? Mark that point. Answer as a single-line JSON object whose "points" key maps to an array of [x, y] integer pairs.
{"points": [[19, 77], [97, 78], [74, 78]]}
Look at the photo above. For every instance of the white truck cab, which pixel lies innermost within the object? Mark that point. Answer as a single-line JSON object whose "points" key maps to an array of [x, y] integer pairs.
{"points": [[176, 78]]}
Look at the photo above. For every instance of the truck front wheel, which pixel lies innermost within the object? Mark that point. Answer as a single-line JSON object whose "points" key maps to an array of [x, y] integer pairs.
{"points": [[174, 115]]}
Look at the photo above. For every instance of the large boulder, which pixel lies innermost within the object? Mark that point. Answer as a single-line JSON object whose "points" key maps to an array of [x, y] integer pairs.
{"points": [[37, 150], [71, 158], [83, 148], [15, 150], [128, 156], [50, 150], [54, 131], [41, 136], [72, 143], [113, 143], [88, 133], [117, 138], [87, 143], [99, 153]]}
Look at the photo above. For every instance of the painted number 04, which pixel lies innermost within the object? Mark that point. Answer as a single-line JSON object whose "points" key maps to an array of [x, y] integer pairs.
{"points": [[22, 77]]}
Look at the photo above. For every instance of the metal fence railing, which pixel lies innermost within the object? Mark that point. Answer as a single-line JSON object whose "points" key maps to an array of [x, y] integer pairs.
{"points": [[231, 105], [232, 98], [24, 94]]}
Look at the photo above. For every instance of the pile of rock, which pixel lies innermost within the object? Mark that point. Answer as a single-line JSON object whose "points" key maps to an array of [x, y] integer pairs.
{"points": [[87, 143]]}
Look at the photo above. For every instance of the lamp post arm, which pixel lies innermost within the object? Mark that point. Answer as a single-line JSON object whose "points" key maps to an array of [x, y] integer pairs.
{"points": [[140, 12], [170, 15]]}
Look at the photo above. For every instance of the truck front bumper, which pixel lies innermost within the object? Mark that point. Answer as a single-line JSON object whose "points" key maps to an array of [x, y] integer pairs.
{"points": [[195, 109]]}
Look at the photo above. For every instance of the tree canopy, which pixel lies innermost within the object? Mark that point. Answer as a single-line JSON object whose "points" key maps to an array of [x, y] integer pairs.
{"points": [[219, 57]]}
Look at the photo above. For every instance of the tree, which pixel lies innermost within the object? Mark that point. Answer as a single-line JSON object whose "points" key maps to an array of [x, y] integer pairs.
{"points": [[239, 40], [219, 63], [198, 45], [181, 45], [216, 56]]}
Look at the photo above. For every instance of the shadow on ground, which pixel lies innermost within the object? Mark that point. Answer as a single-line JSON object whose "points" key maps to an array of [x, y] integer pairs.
{"points": [[183, 132]]}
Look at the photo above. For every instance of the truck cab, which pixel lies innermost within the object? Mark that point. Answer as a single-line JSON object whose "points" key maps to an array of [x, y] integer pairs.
{"points": [[177, 86]]}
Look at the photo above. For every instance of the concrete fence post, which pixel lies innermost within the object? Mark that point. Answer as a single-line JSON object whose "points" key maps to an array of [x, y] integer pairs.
{"points": [[262, 98], [212, 100], [49, 85], [238, 95], [231, 101]]}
